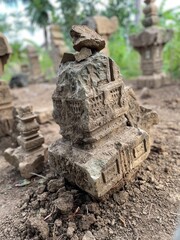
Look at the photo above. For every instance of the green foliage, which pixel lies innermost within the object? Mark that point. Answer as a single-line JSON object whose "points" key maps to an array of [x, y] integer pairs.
{"points": [[123, 54], [123, 9], [39, 12], [69, 11], [171, 19]]}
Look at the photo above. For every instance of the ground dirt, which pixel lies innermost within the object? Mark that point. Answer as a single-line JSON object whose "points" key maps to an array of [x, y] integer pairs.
{"points": [[147, 208]]}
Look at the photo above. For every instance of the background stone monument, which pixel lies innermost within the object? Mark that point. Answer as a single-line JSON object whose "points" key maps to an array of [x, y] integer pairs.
{"points": [[149, 43], [105, 133], [58, 45], [36, 75], [6, 116], [104, 27], [28, 158]]}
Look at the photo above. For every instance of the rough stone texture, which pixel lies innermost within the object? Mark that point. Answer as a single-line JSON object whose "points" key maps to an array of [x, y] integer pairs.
{"points": [[6, 116], [35, 69], [65, 202], [58, 45], [5, 51], [85, 37], [88, 236], [28, 158], [105, 131], [149, 43], [104, 27], [83, 54]]}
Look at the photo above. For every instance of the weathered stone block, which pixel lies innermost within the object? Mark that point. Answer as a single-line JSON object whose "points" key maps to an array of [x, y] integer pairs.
{"points": [[26, 162], [98, 170], [105, 132], [29, 157]]}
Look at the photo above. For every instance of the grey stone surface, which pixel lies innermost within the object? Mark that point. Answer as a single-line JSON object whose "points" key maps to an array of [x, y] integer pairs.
{"points": [[105, 131], [149, 43], [28, 158]]}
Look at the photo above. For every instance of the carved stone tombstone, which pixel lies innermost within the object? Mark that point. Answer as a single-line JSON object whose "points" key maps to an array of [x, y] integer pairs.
{"points": [[105, 133], [28, 158], [149, 43], [58, 45], [6, 116], [36, 75], [104, 27]]}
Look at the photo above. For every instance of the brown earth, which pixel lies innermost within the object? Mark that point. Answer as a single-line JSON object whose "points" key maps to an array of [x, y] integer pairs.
{"points": [[147, 208]]}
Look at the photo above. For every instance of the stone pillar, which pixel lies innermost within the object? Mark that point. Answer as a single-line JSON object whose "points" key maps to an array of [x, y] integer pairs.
{"points": [[36, 75], [105, 133], [149, 43], [104, 27], [6, 116], [28, 158], [58, 45]]}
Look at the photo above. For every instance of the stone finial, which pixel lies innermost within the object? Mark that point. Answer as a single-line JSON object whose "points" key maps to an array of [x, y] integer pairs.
{"points": [[5, 51], [151, 14], [28, 158], [28, 127], [85, 37]]}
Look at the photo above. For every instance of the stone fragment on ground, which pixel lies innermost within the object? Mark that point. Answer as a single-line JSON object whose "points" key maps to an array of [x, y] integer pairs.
{"points": [[86, 221], [39, 225], [64, 202], [55, 184], [88, 236], [145, 93], [44, 116], [71, 229]]}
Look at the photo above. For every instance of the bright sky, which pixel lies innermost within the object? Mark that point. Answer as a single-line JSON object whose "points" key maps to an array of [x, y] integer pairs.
{"points": [[38, 35]]}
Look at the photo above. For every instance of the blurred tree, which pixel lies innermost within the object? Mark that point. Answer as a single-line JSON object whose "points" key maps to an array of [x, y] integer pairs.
{"points": [[38, 11], [123, 9], [89, 7], [69, 11], [3, 23]]}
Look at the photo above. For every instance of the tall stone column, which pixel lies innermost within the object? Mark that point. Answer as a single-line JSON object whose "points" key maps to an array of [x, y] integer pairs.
{"points": [[36, 75], [6, 107], [149, 43], [58, 45]]}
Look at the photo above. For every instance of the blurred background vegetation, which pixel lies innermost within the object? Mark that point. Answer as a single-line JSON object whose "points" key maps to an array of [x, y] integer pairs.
{"points": [[39, 14]]}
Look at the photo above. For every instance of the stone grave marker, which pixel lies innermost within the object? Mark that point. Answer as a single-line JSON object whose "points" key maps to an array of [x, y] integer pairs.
{"points": [[105, 132]]}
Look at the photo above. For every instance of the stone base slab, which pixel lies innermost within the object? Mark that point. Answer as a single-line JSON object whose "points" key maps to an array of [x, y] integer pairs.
{"points": [[26, 162], [98, 170], [153, 81]]}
